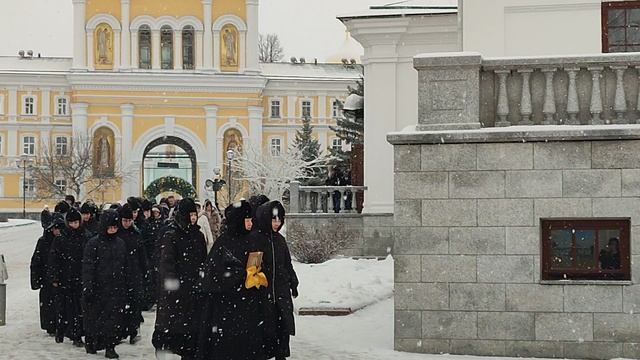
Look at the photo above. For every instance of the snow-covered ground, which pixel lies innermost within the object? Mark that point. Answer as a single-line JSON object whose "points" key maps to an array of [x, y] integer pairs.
{"points": [[16, 222], [366, 334]]}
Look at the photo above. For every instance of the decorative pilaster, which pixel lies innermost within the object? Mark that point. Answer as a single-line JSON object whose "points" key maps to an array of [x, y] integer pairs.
{"points": [[125, 50], [79, 119], [620, 104], [126, 112], [13, 104], [117, 54], [573, 104], [211, 121], [216, 51], [322, 109], [79, 45], [549, 106], [526, 109], [291, 109], [155, 49], [255, 127], [90, 60], [12, 142], [503, 99], [199, 52], [134, 49], [596, 97], [45, 101], [177, 46], [253, 20], [208, 41]]}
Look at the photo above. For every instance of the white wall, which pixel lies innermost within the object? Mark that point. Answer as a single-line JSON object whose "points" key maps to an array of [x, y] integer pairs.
{"points": [[531, 27]]}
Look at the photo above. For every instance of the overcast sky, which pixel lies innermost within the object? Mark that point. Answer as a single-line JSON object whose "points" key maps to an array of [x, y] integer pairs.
{"points": [[307, 28]]}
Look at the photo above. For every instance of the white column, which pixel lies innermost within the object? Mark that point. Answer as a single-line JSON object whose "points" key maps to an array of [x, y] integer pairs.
{"points": [[45, 107], [208, 41], [79, 46], [90, 61], [255, 128], [253, 19], [322, 109], [211, 121], [126, 111], [199, 52], [242, 65], [13, 104], [155, 49], [12, 142], [116, 49], [323, 139], [79, 119], [216, 51], [134, 49], [125, 50], [291, 109], [177, 49]]}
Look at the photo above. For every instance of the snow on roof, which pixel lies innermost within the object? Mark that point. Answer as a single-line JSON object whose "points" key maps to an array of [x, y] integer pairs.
{"points": [[311, 71], [406, 8], [43, 64]]}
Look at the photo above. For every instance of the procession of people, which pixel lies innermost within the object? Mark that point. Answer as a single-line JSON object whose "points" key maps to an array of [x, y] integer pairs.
{"points": [[221, 283]]}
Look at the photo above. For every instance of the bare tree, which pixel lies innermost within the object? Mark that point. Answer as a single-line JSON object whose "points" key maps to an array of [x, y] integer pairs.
{"points": [[269, 48], [270, 174], [72, 169]]}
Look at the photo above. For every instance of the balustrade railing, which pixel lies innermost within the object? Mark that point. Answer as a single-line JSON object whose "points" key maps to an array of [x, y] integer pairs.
{"points": [[323, 199], [464, 90]]}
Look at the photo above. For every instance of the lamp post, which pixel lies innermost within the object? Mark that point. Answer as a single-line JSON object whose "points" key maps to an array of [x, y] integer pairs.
{"points": [[230, 155], [215, 185], [24, 162]]}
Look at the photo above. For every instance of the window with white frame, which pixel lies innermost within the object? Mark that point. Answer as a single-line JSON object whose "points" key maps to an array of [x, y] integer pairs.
{"points": [[28, 187], [306, 108], [62, 106], [29, 145], [29, 105], [62, 145], [275, 108], [276, 146], [336, 144], [61, 184], [336, 110]]}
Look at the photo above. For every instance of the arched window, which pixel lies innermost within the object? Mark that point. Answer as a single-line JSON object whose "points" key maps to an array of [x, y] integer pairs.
{"points": [[144, 43], [166, 47], [188, 48]]}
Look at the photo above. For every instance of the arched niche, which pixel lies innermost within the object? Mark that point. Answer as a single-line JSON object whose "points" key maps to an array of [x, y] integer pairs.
{"points": [[230, 48], [103, 47], [104, 151]]}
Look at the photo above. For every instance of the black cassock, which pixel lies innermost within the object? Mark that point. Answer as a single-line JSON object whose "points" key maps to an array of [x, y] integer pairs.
{"points": [[40, 281]]}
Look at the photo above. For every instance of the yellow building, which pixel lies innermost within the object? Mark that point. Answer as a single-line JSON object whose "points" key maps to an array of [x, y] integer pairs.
{"points": [[148, 73]]}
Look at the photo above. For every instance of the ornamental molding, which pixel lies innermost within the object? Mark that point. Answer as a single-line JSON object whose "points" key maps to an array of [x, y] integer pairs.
{"points": [[103, 18], [229, 19]]}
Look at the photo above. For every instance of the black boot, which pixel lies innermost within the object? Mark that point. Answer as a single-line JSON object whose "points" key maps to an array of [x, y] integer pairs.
{"points": [[111, 354], [90, 348], [133, 339], [59, 339], [78, 343]]}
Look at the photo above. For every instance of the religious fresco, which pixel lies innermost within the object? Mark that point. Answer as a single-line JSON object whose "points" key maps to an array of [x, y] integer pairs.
{"points": [[103, 40], [229, 54], [104, 151]]}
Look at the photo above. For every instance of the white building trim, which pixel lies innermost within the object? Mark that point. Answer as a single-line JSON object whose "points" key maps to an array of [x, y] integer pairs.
{"points": [[1, 104], [190, 20], [143, 20], [167, 21], [98, 19], [229, 19], [23, 103]]}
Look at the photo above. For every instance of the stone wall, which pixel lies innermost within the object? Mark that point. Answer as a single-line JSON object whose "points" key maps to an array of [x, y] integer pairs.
{"points": [[367, 234], [467, 243]]}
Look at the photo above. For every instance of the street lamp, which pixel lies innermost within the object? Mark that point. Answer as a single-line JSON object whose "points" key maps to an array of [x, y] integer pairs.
{"points": [[215, 185], [230, 155], [24, 162]]}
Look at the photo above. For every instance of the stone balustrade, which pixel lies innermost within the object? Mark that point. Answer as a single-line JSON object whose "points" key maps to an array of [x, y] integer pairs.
{"points": [[467, 91], [320, 199]]}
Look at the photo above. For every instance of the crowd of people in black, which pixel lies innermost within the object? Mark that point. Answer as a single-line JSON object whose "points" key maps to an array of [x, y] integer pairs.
{"points": [[222, 284]]}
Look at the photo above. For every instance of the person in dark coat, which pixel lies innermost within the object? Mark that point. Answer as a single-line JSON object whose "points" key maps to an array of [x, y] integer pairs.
{"points": [[233, 326], [65, 274], [89, 219], [45, 217], [282, 278], [40, 271], [138, 260], [106, 276], [62, 207], [183, 251]]}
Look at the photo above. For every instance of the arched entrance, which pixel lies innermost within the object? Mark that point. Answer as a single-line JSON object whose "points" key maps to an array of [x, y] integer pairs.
{"points": [[169, 184], [169, 157]]}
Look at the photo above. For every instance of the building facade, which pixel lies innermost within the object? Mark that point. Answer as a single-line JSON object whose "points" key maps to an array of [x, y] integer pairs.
{"points": [[146, 74]]}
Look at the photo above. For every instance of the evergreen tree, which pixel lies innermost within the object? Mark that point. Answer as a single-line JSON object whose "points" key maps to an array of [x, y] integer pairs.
{"points": [[310, 150], [350, 129]]}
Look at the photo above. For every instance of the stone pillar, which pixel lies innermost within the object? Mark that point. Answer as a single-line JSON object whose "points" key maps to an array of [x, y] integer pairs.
{"points": [[177, 49], [13, 104], [242, 60], [79, 119], [199, 53], [255, 128], [125, 50], [90, 60], [117, 54], [216, 51], [134, 49], [211, 121], [253, 20], [155, 49], [45, 101], [208, 41], [79, 46], [449, 90]]}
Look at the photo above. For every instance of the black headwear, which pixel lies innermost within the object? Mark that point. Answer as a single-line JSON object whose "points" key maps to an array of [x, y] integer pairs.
{"points": [[256, 202], [186, 206], [73, 215], [234, 216], [62, 207], [86, 208], [57, 221], [45, 218], [134, 203], [108, 218], [146, 205], [70, 198], [126, 212], [115, 206], [266, 213]]}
